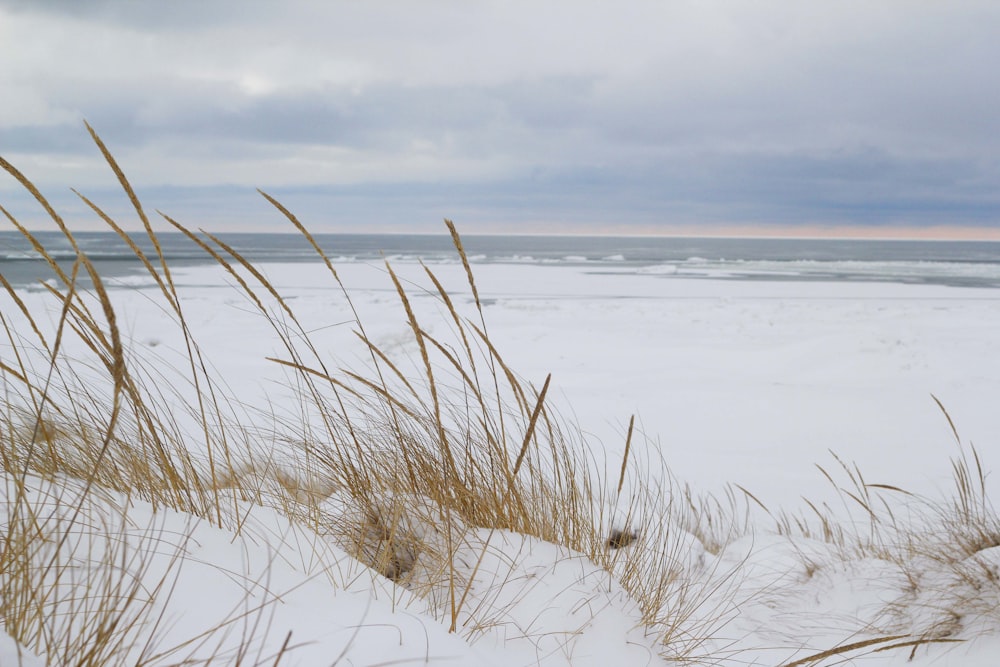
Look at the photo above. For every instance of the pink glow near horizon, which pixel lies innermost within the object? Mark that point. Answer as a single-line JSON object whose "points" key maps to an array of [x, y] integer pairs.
{"points": [[936, 233], [929, 233]]}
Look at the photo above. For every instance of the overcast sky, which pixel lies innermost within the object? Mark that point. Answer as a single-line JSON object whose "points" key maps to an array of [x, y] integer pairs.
{"points": [[627, 116]]}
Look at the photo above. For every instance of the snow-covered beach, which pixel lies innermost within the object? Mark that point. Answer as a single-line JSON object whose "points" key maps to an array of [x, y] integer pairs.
{"points": [[733, 381]]}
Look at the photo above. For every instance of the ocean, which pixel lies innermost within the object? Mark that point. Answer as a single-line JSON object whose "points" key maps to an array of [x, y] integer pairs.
{"points": [[955, 263]]}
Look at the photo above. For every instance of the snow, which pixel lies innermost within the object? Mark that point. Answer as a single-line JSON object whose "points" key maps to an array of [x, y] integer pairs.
{"points": [[752, 382]]}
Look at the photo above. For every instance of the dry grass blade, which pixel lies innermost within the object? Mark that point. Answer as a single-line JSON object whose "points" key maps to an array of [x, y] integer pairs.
{"points": [[37, 246], [136, 204], [379, 389], [448, 458], [752, 497], [30, 187], [916, 643], [890, 487], [628, 448], [530, 431], [443, 293], [457, 241], [304, 231], [10, 370], [494, 357], [117, 370], [261, 279], [840, 650], [511, 378], [218, 258], [168, 292], [468, 380], [951, 424]]}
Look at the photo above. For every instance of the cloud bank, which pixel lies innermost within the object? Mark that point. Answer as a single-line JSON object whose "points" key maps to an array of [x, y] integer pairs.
{"points": [[512, 116]]}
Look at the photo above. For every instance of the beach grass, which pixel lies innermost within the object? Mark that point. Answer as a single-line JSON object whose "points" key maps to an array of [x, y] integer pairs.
{"points": [[416, 474]]}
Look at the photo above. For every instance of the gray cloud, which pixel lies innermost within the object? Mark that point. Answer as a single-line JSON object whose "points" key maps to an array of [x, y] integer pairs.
{"points": [[172, 15], [735, 112]]}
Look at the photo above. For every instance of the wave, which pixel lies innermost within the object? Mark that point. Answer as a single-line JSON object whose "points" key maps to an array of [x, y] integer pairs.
{"points": [[953, 263]]}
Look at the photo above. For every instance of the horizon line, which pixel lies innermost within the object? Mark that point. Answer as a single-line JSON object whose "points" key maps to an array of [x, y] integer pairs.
{"points": [[844, 232]]}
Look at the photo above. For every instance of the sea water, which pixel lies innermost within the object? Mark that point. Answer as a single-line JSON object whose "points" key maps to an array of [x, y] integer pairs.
{"points": [[956, 263]]}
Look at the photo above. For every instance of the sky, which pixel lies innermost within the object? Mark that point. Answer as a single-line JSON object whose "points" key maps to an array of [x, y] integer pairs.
{"points": [[662, 116]]}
